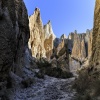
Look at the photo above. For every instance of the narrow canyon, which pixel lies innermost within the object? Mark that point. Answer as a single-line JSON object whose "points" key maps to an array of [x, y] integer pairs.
{"points": [[37, 65]]}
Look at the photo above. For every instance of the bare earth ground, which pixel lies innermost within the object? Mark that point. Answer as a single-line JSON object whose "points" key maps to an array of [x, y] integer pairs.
{"points": [[45, 89]]}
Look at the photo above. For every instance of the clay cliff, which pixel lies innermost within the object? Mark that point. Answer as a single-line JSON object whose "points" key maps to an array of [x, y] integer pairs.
{"points": [[14, 34], [41, 37], [44, 44], [80, 45], [41, 44], [95, 59], [64, 53], [48, 30], [90, 75], [36, 41], [49, 39]]}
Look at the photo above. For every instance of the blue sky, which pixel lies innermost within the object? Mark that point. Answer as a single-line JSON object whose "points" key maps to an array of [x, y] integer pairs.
{"points": [[65, 15]]}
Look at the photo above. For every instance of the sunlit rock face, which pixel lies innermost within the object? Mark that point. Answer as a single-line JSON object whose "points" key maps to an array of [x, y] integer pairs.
{"points": [[48, 30], [49, 39], [36, 41], [79, 49], [41, 37], [14, 34], [95, 58], [80, 45], [90, 44]]}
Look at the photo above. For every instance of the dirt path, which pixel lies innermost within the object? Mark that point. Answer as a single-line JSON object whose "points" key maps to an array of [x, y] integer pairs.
{"points": [[48, 89]]}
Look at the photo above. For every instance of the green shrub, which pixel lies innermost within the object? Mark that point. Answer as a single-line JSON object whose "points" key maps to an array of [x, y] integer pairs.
{"points": [[82, 82], [83, 97], [45, 68], [39, 74], [27, 82], [43, 64], [88, 84]]}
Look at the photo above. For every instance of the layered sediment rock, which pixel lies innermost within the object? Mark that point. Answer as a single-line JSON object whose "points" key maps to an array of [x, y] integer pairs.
{"points": [[41, 37], [90, 45], [80, 45], [36, 41], [48, 30], [49, 40]]}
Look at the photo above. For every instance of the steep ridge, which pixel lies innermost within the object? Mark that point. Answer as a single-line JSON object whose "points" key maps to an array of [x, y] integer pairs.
{"points": [[36, 41], [49, 39]]}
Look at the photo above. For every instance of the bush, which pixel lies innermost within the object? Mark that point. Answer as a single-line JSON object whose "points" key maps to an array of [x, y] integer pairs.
{"points": [[83, 97], [27, 82], [43, 64], [45, 68], [39, 74], [82, 82], [88, 84]]}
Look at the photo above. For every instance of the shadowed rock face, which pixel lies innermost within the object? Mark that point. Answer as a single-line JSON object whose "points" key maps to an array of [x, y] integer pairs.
{"points": [[62, 54], [14, 34], [95, 59], [48, 45]]}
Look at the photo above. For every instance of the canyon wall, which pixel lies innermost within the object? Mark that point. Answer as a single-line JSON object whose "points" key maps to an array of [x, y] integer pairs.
{"points": [[14, 35], [95, 59]]}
